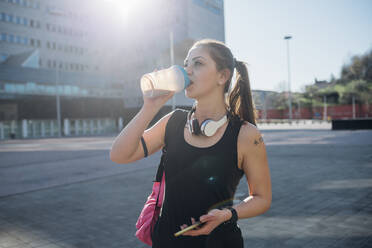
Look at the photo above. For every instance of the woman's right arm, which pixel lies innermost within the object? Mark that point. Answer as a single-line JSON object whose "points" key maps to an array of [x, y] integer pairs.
{"points": [[127, 146]]}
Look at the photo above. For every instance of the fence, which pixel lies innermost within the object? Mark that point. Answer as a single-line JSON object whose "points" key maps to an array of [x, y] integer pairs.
{"points": [[328, 113], [49, 128]]}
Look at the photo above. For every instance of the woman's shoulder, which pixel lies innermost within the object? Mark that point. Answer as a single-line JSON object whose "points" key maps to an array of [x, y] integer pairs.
{"points": [[249, 133], [175, 115]]}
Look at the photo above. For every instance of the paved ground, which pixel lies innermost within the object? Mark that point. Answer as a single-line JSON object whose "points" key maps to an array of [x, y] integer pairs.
{"points": [[67, 193]]}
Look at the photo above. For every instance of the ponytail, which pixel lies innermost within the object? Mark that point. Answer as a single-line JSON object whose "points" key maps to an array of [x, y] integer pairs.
{"points": [[240, 98]]}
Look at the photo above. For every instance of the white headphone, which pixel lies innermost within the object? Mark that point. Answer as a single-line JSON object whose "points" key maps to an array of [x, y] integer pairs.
{"points": [[207, 128]]}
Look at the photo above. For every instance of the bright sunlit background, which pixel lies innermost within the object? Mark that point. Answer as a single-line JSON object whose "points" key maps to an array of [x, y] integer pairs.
{"points": [[325, 34]]}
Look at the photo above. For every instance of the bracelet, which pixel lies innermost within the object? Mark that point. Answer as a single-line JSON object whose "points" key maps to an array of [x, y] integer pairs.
{"points": [[144, 146], [234, 216]]}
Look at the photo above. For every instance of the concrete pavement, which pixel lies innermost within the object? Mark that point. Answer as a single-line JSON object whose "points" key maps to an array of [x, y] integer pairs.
{"points": [[67, 193]]}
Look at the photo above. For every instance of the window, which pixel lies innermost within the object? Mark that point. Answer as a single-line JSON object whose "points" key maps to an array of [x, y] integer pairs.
{"points": [[54, 64], [54, 46], [37, 24], [31, 86], [47, 26], [3, 36], [40, 63], [25, 21], [25, 40], [11, 38], [48, 44], [18, 39], [3, 57], [24, 3], [20, 88], [49, 63], [10, 88], [38, 43], [32, 42], [3, 17], [10, 18], [18, 20], [32, 23]]}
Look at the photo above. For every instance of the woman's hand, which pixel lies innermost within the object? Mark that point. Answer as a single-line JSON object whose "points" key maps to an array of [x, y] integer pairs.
{"points": [[211, 220], [158, 101]]}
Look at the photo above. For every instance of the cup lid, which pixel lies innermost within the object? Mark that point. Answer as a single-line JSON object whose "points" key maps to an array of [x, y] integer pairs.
{"points": [[185, 76]]}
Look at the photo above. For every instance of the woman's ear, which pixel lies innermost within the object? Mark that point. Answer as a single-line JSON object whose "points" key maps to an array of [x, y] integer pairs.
{"points": [[224, 75]]}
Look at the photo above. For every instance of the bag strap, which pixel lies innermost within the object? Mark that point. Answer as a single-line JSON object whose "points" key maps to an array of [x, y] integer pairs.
{"points": [[172, 122], [160, 174]]}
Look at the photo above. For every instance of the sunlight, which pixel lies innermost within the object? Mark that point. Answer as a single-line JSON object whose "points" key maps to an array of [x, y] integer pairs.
{"points": [[121, 9]]}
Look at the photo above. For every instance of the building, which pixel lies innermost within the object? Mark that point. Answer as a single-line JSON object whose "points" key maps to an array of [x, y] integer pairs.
{"points": [[89, 55]]}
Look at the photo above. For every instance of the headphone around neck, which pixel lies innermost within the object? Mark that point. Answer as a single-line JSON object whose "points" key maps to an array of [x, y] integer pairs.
{"points": [[207, 128]]}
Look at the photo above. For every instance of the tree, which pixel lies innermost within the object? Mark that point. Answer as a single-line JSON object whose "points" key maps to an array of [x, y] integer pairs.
{"points": [[360, 89], [360, 68]]}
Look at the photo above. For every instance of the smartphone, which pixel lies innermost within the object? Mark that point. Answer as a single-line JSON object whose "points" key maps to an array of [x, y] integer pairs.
{"points": [[198, 223]]}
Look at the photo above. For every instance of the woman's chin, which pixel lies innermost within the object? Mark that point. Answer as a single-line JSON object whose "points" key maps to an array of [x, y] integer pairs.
{"points": [[188, 92]]}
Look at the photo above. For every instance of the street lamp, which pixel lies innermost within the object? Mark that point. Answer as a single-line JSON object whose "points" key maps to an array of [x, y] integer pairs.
{"points": [[57, 12], [58, 103], [288, 37]]}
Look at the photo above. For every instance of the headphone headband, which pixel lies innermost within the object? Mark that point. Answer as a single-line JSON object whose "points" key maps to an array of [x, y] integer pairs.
{"points": [[207, 128]]}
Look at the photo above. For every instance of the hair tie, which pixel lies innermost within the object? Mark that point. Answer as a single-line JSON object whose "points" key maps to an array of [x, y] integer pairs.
{"points": [[235, 62]]}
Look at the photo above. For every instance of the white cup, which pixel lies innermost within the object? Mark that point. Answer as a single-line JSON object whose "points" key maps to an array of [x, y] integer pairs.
{"points": [[162, 82]]}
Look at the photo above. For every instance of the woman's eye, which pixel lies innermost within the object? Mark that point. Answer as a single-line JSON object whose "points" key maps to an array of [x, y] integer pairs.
{"points": [[196, 63]]}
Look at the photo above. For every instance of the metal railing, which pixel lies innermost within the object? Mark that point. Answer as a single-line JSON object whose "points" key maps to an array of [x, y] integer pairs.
{"points": [[24, 129]]}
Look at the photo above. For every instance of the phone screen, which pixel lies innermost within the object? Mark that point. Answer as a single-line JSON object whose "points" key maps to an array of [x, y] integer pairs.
{"points": [[198, 223]]}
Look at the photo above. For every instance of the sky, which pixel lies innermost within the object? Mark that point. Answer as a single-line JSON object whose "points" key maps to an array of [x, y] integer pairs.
{"points": [[325, 35]]}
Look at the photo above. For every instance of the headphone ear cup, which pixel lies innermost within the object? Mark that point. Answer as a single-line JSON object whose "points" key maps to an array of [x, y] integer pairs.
{"points": [[204, 128], [195, 126]]}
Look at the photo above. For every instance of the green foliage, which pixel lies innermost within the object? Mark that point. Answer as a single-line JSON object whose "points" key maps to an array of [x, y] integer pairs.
{"points": [[355, 80]]}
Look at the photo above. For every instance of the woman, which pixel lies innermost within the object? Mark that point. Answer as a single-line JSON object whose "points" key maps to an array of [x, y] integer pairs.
{"points": [[201, 171]]}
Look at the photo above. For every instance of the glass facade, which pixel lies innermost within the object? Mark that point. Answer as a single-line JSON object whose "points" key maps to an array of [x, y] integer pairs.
{"points": [[65, 90]]}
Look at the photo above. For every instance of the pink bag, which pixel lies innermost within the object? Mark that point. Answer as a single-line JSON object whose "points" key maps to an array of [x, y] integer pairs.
{"points": [[150, 212]]}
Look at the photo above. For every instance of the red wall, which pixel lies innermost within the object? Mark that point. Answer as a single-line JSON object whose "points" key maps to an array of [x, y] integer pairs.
{"points": [[333, 112]]}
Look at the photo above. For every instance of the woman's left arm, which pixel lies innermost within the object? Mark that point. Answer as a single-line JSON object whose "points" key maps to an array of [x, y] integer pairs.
{"points": [[254, 163], [257, 172]]}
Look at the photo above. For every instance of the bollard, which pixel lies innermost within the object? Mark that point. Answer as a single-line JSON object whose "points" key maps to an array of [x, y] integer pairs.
{"points": [[24, 129], [66, 127]]}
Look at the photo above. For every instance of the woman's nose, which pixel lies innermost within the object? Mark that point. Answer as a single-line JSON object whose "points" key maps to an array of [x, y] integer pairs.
{"points": [[188, 70]]}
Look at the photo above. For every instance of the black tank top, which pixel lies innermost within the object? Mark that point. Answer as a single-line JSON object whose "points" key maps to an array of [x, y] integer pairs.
{"points": [[196, 180]]}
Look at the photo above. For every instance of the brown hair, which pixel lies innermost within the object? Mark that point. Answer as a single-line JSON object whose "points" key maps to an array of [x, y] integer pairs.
{"points": [[240, 99]]}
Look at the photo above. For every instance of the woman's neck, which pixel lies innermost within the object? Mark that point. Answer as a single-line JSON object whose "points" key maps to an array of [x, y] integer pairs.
{"points": [[214, 110]]}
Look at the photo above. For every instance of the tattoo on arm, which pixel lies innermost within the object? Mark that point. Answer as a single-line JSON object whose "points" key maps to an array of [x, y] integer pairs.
{"points": [[260, 140]]}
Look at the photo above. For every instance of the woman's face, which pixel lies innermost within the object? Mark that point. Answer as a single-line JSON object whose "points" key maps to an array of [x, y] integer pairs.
{"points": [[202, 72]]}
